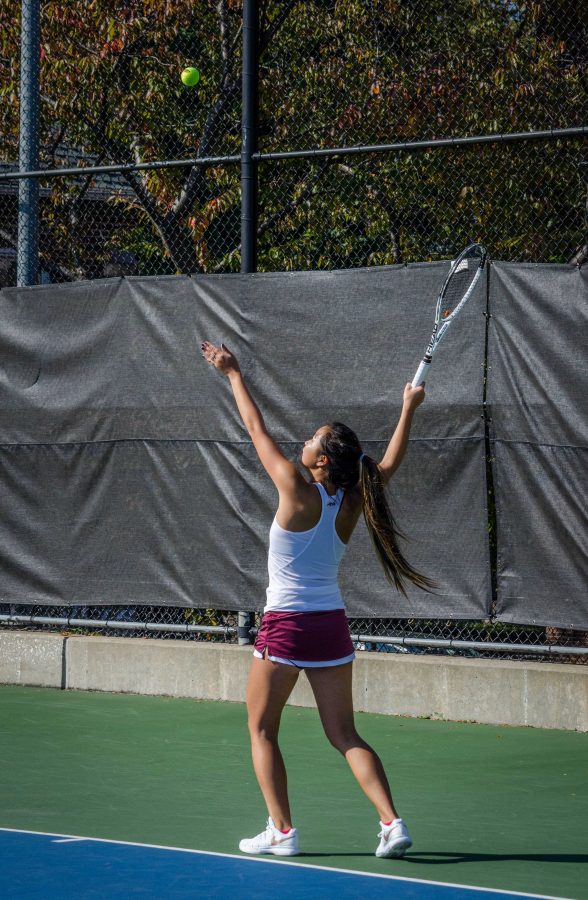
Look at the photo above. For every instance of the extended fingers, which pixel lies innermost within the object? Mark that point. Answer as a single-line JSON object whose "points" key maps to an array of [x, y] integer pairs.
{"points": [[209, 351]]}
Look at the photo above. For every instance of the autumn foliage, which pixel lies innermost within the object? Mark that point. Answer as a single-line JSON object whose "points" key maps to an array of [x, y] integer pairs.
{"points": [[332, 73]]}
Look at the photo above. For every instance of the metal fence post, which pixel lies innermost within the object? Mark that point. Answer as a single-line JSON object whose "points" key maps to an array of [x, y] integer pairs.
{"points": [[244, 624], [249, 141], [28, 190], [249, 136]]}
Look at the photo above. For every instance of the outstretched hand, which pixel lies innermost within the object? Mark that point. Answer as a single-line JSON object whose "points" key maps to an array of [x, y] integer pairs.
{"points": [[220, 357], [413, 396]]}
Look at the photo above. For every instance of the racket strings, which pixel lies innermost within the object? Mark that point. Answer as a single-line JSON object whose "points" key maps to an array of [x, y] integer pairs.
{"points": [[458, 286]]}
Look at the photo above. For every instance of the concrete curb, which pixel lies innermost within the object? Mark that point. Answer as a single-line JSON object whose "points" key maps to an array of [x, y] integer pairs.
{"points": [[500, 692]]}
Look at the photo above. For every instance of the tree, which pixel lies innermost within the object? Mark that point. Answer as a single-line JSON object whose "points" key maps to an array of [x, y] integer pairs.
{"points": [[332, 73]]}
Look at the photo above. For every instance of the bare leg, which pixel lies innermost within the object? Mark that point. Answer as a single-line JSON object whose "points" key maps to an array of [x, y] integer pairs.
{"points": [[269, 686], [331, 686]]}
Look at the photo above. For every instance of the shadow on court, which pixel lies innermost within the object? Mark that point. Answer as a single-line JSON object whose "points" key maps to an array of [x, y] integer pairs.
{"points": [[431, 858], [443, 859], [177, 773]]}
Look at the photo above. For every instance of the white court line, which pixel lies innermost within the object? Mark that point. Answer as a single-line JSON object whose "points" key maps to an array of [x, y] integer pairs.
{"points": [[62, 840], [279, 862]]}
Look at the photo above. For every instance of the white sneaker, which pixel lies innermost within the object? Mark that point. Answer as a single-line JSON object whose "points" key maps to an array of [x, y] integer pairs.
{"points": [[272, 840], [394, 839]]}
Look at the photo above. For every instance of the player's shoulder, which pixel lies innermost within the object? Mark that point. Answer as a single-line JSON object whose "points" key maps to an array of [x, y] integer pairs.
{"points": [[300, 486]]}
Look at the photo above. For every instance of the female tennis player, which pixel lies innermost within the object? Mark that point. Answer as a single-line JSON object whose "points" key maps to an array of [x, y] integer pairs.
{"points": [[304, 624]]}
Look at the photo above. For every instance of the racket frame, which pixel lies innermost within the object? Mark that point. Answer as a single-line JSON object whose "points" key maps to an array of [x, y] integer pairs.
{"points": [[440, 329]]}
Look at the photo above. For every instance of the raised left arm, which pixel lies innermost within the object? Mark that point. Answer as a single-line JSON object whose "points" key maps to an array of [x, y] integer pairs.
{"points": [[283, 473]]}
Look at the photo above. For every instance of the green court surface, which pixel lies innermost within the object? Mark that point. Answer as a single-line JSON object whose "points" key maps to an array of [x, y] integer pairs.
{"points": [[489, 806]]}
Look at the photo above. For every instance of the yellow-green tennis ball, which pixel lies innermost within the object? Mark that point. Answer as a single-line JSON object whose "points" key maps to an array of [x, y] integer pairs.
{"points": [[191, 76]]}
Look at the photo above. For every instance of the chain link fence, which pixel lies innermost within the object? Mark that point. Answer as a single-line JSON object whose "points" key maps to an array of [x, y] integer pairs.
{"points": [[372, 71], [424, 79], [489, 640], [527, 202], [348, 74], [93, 227]]}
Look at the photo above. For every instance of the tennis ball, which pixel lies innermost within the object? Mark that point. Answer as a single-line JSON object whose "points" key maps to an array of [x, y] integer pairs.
{"points": [[190, 76]]}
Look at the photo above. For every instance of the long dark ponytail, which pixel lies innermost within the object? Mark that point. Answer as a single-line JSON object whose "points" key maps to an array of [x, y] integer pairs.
{"points": [[347, 465]]}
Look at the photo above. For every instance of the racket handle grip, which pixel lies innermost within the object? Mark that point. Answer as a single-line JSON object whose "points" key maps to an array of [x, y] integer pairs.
{"points": [[422, 372]]}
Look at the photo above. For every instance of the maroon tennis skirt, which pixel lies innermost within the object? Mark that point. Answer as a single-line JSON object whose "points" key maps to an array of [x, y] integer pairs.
{"points": [[316, 638]]}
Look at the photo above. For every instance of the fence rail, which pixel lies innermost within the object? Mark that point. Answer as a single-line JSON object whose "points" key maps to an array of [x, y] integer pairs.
{"points": [[456, 638], [402, 147]]}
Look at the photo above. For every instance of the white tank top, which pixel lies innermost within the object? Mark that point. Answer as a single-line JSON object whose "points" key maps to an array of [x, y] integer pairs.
{"points": [[303, 565]]}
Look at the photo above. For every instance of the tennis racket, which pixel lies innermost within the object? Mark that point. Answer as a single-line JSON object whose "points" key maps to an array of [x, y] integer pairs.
{"points": [[456, 291]]}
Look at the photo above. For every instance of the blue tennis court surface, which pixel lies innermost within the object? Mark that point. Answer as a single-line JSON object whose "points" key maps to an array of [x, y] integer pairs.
{"points": [[60, 867]]}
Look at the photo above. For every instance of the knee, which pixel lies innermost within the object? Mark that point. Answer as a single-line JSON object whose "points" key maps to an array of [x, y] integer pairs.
{"points": [[262, 731], [344, 739]]}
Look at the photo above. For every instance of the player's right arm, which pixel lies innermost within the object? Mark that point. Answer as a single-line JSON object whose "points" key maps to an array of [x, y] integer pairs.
{"points": [[413, 397]]}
